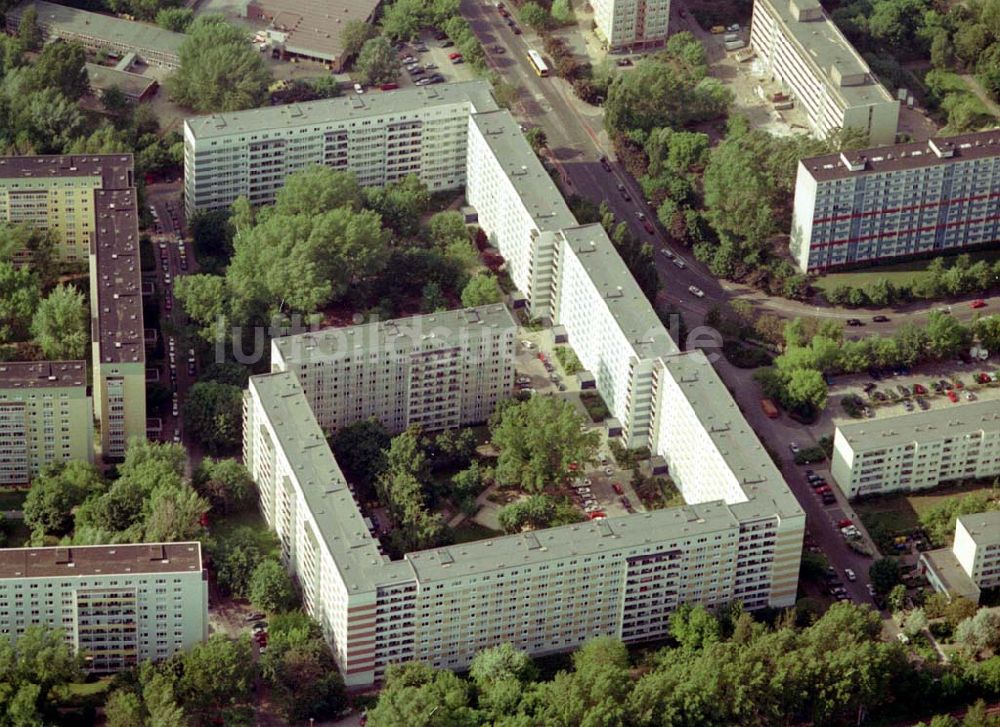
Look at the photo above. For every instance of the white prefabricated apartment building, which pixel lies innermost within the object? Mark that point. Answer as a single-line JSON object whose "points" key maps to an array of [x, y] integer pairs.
{"points": [[632, 25], [799, 46], [441, 371], [381, 137], [917, 450], [117, 605], [873, 205], [738, 538]]}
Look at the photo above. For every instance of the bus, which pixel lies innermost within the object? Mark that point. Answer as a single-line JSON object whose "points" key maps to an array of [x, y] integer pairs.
{"points": [[538, 63]]}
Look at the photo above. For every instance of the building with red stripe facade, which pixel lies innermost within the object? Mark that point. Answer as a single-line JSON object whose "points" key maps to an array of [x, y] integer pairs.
{"points": [[936, 196]]}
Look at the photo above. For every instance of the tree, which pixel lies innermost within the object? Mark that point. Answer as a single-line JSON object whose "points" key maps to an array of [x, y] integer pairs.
{"points": [[945, 335], [271, 588], [54, 494], [413, 691], [400, 204], [32, 667], [219, 69], [172, 513], [359, 449], [161, 702], [318, 189], [33, 245], [176, 19], [694, 628], [61, 66], [482, 289], [19, 296], [61, 325], [535, 16], [500, 663], [402, 19], [217, 673], [884, 574], [377, 62], [236, 559], [979, 632], [897, 598], [214, 414], [301, 672], [915, 622], [562, 12], [226, 484], [806, 387], [124, 708], [538, 440], [28, 30], [354, 36]]}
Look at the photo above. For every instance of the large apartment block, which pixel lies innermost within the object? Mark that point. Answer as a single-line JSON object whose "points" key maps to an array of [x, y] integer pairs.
{"points": [[877, 204], [440, 371], [381, 137], [632, 25], [90, 202], [46, 417], [800, 47], [917, 450], [118, 605], [544, 591]]}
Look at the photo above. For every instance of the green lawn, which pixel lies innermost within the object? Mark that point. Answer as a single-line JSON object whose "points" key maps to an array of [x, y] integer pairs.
{"points": [[12, 499], [470, 531], [899, 274]]}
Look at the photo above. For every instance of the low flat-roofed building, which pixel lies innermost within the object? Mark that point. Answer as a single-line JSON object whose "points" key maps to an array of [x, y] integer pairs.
{"points": [[917, 450], [46, 417], [946, 575], [97, 31], [977, 547], [118, 605], [873, 205], [135, 86], [311, 28]]}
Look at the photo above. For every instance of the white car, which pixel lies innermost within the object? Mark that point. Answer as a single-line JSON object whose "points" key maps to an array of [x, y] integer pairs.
{"points": [[528, 345], [583, 490], [177, 435], [794, 447], [358, 88], [851, 575], [591, 508], [668, 253], [696, 291], [679, 262]]}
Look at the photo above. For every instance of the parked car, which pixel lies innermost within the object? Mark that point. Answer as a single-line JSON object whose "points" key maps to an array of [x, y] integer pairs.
{"points": [[880, 319], [255, 616], [679, 262], [454, 57], [624, 192], [794, 446], [619, 490], [854, 322], [977, 304], [358, 88], [605, 163], [953, 396], [696, 291]]}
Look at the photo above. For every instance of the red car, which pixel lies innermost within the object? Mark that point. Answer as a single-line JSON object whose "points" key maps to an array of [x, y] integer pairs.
{"points": [[978, 303], [824, 490], [455, 56], [919, 389], [597, 515], [648, 227], [618, 489], [845, 523], [953, 396], [984, 378]]}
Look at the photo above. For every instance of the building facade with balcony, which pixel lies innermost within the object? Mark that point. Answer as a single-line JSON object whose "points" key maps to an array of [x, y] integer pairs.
{"points": [[439, 371], [874, 205], [917, 450], [90, 204], [801, 48], [632, 25], [46, 417], [381, 137], [117, 605]]}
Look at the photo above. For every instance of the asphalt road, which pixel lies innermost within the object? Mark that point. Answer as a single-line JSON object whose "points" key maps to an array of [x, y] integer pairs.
{"points": [[576, 142]]}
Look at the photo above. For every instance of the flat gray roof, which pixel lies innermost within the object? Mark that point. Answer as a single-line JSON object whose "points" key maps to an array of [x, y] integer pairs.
{"points": [[327, 496], [100, 560], [63, 20], [950, 572], [399, 334], [621, 294], [350, 106], [131, 84], [315, 26], [984, 527], [922, 426], [559, 543], [534, 186], [822, 44], [766, 491]]}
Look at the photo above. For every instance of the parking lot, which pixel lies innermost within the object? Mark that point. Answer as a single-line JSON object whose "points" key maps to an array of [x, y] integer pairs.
{"points": [[432, 58]]}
